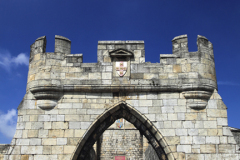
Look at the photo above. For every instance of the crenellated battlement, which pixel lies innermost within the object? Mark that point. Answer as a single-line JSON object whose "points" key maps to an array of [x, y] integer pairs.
{"points": [[121, 67]]}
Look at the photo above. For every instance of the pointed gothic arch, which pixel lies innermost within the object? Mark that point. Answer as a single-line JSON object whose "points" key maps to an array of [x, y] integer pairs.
{"points": [[140, 121]]}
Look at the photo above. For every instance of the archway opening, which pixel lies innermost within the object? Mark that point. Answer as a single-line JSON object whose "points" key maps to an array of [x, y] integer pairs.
{"points": [[104, 121]]}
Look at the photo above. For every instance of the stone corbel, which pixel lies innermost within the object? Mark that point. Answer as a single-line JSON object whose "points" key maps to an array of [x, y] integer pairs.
{"points": [[197, 99], [47, 96]]}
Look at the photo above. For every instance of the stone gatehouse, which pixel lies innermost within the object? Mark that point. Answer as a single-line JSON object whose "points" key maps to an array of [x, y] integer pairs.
{"points": [[122, 107]]}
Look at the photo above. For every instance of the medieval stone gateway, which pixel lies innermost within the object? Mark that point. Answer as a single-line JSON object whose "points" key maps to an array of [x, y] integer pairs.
{"points": [[122, 107]]}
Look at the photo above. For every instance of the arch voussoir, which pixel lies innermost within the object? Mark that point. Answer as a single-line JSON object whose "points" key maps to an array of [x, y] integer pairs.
{"points": [[140, 121]]}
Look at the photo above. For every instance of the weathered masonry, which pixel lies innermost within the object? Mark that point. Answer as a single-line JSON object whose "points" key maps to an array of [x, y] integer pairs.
{"points": [[173, 105]]}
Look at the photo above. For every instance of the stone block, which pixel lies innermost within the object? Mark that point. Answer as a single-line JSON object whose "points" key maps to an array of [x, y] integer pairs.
{"points": [[65, 105], [188, 124], [181, 116], [12, 157], [161, 117], [142, 110], [157, 102], [155, 110], [223, 140], [54, 133], [16, 150], [95, 111], [199, 140], [210, 124], [231, 140], [68, 149], [226, 148], [145, 103], [208, 148], [172, 116], [191, 116], [184, 148], [74, 125], [22, 142], [18, 134], [212, 140], [72, 117], [106, 75], [170, 102], [45, 157], [199, 124], [193, 132], [168, 109], [61, 141], [57, 149], [85, 125], [44, 117], [95, 76], [152, 95], [176, 124], [73, 141], [53, 117], [79, 132], [35, 141], [202, 132], [42, 133], [31, 149], [167, 124], [181, 132], [32, 133], [186, 140], [222, 121], [49, 141], [27, 157], [60, 125], [195, 157], [68, 133], [173, 140], [33, 118], [151, 117], [150, 76], [47, 125], [177, 68], [168, 132], [227, 132]]}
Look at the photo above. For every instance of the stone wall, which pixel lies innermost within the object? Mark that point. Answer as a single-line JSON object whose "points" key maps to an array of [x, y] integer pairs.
{"points": [[126, 143], [69, 104]]}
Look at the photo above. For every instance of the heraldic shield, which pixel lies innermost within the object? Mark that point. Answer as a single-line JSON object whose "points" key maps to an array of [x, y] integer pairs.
{"points": [[119, 123], [121, 68]]}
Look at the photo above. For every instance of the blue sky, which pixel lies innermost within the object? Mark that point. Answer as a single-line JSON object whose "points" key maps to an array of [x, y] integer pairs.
{"points": [[85, 22]]}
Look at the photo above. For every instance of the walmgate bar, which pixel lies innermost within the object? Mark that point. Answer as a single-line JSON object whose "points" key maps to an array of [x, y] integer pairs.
{"points": [[122, 108]]}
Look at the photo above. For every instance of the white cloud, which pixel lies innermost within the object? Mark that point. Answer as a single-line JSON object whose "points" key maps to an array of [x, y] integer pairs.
{"points": [[8, 123], [7, 61], [20, 59], [228, 83]]}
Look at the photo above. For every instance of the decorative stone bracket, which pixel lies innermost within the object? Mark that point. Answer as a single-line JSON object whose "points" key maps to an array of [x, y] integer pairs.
{"points": [[47, 96], [197, 99]]}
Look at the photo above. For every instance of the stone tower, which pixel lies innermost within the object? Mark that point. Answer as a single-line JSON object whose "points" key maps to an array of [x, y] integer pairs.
{"points": [[173, 105]]}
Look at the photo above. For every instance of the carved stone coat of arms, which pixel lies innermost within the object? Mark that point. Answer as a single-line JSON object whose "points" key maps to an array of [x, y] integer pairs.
{"points": [[121, 68]]}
